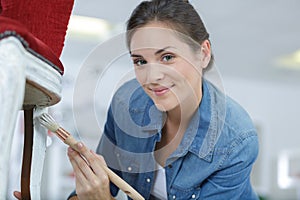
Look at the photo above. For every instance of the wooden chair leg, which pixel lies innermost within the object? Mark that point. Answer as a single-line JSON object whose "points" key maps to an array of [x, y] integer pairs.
{"points": [[33, 154], [27, 154]]}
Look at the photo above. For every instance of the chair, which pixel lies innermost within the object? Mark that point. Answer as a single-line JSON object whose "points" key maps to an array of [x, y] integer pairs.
{"points": [[31, 41]]}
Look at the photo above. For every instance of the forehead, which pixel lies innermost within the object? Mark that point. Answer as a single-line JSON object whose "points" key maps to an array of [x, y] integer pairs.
{"points": [[157, 36]]}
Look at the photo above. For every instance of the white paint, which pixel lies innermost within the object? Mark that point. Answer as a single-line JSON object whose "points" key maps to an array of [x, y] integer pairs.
{"points": [[38, 155], [16, 66], [12, 87]]}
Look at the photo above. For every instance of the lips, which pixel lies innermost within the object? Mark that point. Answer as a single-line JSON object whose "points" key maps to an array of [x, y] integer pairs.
{"points": [[160, 91]]}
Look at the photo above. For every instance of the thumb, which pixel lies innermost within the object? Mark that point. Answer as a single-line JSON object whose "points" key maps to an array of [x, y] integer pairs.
{"points": [[17, 194]]}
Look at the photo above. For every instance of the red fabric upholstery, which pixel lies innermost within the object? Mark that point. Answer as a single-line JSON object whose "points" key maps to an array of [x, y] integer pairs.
{"points": [[46, 20], [9, 27], [42, 24]]}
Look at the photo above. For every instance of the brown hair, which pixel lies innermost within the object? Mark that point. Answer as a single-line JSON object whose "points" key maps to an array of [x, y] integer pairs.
{"points": [[180, 15]]}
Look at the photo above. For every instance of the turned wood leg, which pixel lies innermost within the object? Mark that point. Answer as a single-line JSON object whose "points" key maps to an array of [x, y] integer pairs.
{"points": [[12, 86], [27, 154]]}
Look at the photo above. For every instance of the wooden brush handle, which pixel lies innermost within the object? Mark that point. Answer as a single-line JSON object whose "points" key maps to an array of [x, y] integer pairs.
{"points": [[124, 186], [119, 182], [70, 140]]}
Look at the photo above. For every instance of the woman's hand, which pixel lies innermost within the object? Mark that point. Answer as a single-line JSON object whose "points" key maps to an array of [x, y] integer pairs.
{"points": [[17, 194], [91, 180]]}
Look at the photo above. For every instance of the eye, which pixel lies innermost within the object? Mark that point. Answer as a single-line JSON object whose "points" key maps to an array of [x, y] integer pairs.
{"points": [[167, 57], [139, 62]]}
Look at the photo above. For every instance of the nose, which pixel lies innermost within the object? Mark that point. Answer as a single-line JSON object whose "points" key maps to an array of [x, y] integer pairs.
{"points": [[155, 73]]}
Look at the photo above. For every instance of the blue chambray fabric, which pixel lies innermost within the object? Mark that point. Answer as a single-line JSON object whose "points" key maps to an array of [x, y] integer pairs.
{"points": [[213, 160]]}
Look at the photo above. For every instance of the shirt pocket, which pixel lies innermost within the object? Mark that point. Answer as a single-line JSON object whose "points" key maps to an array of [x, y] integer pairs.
{"points": [[179, 193]]}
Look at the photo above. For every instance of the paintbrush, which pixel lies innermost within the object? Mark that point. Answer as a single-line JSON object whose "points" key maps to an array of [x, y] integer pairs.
{"points": [[48, 122]]}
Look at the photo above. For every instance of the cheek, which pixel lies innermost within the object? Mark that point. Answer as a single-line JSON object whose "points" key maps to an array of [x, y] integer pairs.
{"points": [[188, 72], [190, 78], [141, 75]]}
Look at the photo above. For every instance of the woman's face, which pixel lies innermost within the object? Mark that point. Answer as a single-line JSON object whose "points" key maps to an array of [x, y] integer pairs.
{"points": [[166, 67]]}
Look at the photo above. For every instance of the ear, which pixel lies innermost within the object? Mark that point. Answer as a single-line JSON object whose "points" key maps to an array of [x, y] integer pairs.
{"points": [[205, 53]]}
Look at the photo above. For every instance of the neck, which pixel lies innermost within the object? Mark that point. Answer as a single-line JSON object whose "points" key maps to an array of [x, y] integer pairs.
{"points": [[184, 112], [175, 126]]}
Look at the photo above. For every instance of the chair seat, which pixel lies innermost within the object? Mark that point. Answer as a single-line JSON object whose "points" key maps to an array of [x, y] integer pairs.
{"points": [[10, 27], [43, 69]]}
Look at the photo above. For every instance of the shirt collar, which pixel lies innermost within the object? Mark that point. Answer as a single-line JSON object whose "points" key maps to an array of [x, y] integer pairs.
{"points": [[205, 127]]}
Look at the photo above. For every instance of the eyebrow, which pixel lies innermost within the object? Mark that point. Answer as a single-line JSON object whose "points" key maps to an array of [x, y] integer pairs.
{"points": [[157, 52]]}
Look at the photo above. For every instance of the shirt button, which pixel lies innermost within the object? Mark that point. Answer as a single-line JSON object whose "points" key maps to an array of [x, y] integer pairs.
{"points": [[170, 166], [148, 180], [129, 168], [174, 197], [193, 196]]}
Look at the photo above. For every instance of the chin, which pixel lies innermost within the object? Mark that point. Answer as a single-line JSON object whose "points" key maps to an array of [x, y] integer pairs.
{"points": [[160, 107], [165, 107], [166, 103]]}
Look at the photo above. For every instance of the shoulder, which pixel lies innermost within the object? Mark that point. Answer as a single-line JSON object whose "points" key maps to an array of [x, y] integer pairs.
{"points": [[226, 112], [131, 96], [232, 122], [130, 102], [237, 142], [240, 128], [238, 135], [237, 118], [123, 92]]}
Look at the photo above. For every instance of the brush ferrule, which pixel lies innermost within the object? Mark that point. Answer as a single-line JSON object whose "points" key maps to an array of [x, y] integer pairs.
{"points": [[62, 133]]}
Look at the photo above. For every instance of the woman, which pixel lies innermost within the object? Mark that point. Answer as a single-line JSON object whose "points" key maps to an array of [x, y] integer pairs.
{"points": [[170, 133]]}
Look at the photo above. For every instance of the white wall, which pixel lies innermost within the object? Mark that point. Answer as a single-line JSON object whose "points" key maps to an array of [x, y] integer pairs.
{"points": [[275, 108]]}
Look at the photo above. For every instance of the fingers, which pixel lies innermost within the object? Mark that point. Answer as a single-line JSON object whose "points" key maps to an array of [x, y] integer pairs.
{"points": [[88, 154], [89, 163], [97, 163], [81, 167], [91, 180], [94, 161], [17, 194]]}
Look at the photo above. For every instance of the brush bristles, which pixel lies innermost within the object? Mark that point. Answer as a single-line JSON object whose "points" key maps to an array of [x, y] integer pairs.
{"points": [[48, 122]]}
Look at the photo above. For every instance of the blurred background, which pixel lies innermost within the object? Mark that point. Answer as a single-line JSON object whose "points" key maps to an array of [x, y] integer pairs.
{"points": [[256, 45]]}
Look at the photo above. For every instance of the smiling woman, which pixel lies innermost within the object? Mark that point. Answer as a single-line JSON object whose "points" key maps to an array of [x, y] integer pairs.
{"points": [[170, 133], [167, 68]]}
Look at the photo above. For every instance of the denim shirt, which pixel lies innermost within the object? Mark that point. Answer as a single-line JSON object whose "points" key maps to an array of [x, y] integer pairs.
{"points": [[213, 160]]}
